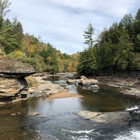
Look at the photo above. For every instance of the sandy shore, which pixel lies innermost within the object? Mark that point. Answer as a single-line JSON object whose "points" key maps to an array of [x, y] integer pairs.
{"points": [[64, 95]]}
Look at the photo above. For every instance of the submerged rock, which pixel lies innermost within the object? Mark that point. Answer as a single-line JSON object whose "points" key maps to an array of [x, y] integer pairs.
{"points": [[34, 114]]}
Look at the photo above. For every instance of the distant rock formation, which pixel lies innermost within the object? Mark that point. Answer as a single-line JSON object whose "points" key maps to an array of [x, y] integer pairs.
{"points": [[90, 84]]}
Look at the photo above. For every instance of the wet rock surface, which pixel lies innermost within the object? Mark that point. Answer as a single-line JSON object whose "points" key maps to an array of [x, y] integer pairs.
{"points": [[113, 118]]}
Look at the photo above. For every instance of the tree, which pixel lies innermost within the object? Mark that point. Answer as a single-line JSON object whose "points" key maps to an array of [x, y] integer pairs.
{"points": [[4, 4], [18, 32], [125, 56], [137, 22], [49, 54], [137, 31], [8, 42], [87, 62], [88, 36]]}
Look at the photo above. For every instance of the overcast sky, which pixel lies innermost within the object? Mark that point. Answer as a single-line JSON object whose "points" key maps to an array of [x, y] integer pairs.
{"points": [[62, 22]]}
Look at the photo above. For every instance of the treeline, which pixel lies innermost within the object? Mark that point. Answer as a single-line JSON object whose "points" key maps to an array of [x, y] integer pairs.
{"points": [[29, 49], [116, 49]]}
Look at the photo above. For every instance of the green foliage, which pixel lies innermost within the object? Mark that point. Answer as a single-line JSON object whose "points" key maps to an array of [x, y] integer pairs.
{"points": [[4, 4], [49, 55], [138, 37], [115, 50], [87, 62], [88, 36], [28, 48], [32, 82]]}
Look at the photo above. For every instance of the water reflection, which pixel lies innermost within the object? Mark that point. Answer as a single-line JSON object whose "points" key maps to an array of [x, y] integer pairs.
{"points": [[100, 101], [55, 119]]}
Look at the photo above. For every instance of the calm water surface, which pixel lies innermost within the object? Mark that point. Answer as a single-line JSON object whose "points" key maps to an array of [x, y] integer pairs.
{"points": [[56, 119]]}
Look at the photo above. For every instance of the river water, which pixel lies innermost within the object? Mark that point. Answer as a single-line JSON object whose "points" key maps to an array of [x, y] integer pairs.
{"points": [[56, 119]]}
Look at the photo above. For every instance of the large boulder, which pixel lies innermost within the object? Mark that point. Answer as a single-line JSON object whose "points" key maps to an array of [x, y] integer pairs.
{"points": [[12, 77], [85, 83], [12, 68]]}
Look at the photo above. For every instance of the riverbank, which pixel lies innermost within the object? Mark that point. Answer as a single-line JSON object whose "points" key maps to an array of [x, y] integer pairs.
{"points": [[53, 91], [129, 83]]}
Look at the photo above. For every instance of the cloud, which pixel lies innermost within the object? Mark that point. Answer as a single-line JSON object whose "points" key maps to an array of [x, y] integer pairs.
{"points": [[62, 22]]}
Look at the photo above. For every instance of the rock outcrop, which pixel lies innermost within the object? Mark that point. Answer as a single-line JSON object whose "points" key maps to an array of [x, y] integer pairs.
{"points": [[14, 69], [90, 84], [13, 84], [10, 87], [12, 77]]}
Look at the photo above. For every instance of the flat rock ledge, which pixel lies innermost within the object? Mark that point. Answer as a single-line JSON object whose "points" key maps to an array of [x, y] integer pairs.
{"points": [[111, 118], [45, 89], [133, 92]]}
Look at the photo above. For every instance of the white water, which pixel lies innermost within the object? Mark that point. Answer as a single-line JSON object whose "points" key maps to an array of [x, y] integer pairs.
{"points": [[81, 138], [132, 135], [79, 132], [82, 134], [132, 108]]}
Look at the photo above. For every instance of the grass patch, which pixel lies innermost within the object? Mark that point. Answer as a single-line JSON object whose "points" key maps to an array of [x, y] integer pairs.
{"points": [[32, 82]]}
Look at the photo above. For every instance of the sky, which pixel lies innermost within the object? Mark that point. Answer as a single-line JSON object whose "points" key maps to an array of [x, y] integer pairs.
{"points": [[62, 22]]}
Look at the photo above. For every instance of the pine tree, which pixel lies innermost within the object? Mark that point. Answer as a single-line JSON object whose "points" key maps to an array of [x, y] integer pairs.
{"points": [[88, 36], [87, 60]]}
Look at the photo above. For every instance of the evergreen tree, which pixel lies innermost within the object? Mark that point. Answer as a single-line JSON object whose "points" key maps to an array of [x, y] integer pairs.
{"points": [[88, 36], [4, 4], [125, 56], [137, 31], [9, 42], [87, 61], [18, 32]]}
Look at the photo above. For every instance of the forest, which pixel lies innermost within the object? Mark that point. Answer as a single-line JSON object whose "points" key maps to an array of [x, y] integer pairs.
{"points": [[117, 49], [14, 44]]}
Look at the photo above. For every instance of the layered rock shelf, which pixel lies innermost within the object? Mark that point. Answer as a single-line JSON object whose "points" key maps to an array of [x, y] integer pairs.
{"points": [[13, 84], [12, 78]]}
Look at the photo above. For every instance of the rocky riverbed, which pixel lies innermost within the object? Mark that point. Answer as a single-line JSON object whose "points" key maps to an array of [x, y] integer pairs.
{"points": [[14, 87]]}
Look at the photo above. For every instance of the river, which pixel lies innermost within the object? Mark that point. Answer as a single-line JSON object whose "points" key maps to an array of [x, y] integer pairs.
{"points": [[56, 119]]}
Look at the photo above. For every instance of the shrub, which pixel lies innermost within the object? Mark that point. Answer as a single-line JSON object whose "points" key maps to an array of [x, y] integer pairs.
{"points": [[32, 82]]}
